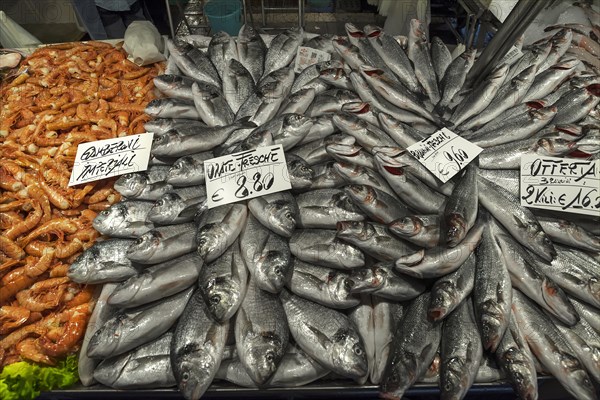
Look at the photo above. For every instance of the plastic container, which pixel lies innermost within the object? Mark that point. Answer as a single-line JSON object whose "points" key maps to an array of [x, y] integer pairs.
{"points": [[224, 15]]}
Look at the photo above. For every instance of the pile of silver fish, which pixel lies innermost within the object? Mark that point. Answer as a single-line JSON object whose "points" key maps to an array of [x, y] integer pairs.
{"points": [[369, 268]]}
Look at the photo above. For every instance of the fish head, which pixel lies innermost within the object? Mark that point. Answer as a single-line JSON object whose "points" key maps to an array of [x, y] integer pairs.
{"points": [[519, 363], [353, 30], [155, 106], [166, 209], [106, 339], [125, 291], [109, 371], [373, 31], [298, 123], [180, 170], [443, 296], [360, 230], [108, 221], [192, 370], [221, 295], [300, 172], [456, 229], [282, 217], [263, 352], [407, 226], [340, 287], [131, 185], [163, 144], [555, 146], [361, 193], [348, 353], [541, 241], [357, 107], [145, 246], [221, 37], [273, 268], [84, 265], [372, 74], [211, 240], [493, 322], [365, 280], [344, 203], [454, 378], [543, 114]]}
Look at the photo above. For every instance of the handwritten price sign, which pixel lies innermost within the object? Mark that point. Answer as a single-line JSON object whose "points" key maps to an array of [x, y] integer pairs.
{"points": [[111, 157], [444, 153], [246, 175], [560, 184], [307, 56]]}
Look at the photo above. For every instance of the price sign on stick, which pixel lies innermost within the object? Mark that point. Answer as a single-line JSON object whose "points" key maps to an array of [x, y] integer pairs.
{"points": [[246, 175], [444, 153], [111, 157], [561, 184]]}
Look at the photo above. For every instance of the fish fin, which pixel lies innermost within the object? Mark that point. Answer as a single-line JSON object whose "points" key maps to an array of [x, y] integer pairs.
{"points": [[323, 340], [244, 320]]}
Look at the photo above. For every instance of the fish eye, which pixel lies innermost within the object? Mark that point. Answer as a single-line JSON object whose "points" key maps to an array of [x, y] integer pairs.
{"points": [[358, 351], [278, 271], [303, 168], [185, 376], [215, 299], [270, 356], [160, 202], [289, 215], [139, 240], [348, 283], [105, 212]]}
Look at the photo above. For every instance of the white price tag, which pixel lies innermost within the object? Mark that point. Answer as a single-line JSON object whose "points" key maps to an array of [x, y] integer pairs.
{"points": [[512, 56], [307, 56], [561, 184], [111, 157], [444, 153], [246, 175]]}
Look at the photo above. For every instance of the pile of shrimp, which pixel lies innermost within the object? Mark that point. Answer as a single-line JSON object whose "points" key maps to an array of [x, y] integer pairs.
{"points": [[62, 95]]}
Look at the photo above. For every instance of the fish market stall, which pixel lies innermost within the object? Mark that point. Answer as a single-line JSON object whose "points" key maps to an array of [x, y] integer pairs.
{"points": [[360, 215]]}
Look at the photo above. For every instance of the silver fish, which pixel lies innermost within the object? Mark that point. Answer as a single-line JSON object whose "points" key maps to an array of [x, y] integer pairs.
{"points": [[178, 206], [163, 125], [416, 340], [422, 230], [223, 283], [461, 352], [440, 57], [561, 41], [508, 156], [147, 367], [359, 175], [300, 172], [157, 282], [238, 84], [380, 280], [534, 55], [492, 293], [393, 54], [172, 108], [590, 313], [451, 289], [267, 255], [126, 219], [322, 247], [134, 184], [197, 348], [374, 239], [163, 243], [326, 335], [378, 205], [282, 49], [362, 110], [323, 127], [336, 77], [327, 176], [349, 52], [509, 179], [311, 73], [418, 52], [276, 211], [218, 228], [251, 51], [129, 329], [326, 286], [104, 262], [366, 135], [221, 49], [515, 359], [386, 315], [551, 349], [295, 369], [528, 278], [315, 152], [518, 220], [403, 134], [212, 107], [439, 261], [175, 86], [298, 102], [101, 313], [454, 77], [198, 66], [576, 104], [188, 170], [545, 82], [331, 101], [367, 49], [261, 333], [362, 318], [323, 208], [480, 97], [461, 208]]}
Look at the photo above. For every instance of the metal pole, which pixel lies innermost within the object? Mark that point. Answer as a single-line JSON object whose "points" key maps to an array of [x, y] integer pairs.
{"points": [[170, 19], [262, 10], [515, 24]]}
